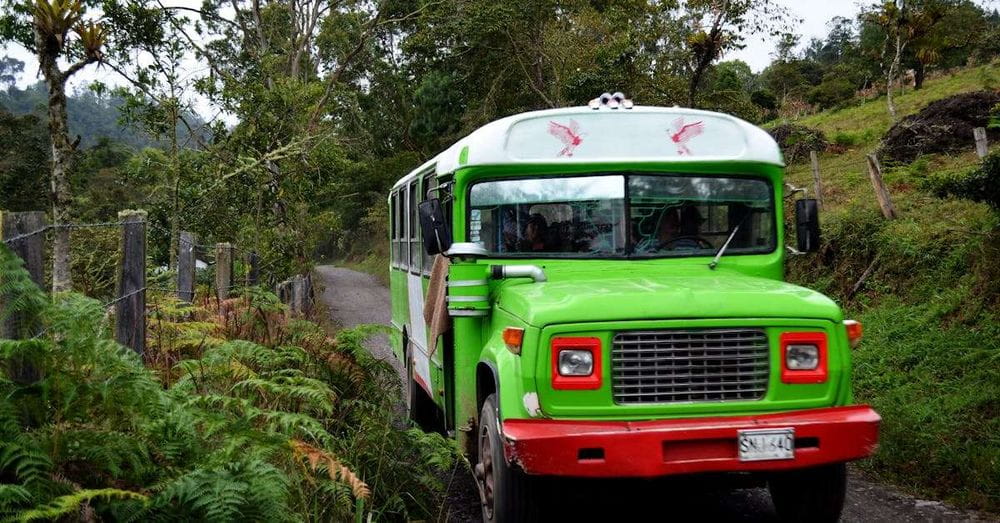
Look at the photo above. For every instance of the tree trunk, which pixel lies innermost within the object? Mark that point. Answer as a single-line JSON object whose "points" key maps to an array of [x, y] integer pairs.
{"points": [[62, 162], [919, 73], [891, 77]]}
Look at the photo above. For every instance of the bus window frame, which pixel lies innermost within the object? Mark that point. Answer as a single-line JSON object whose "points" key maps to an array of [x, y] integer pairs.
{"points": [[392, 229], [628, 233], [429, 183], [398, 203], [412, 193]]}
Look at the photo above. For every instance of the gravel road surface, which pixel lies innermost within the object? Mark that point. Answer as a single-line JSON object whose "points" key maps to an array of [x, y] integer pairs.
{"points": [[355, 298]]}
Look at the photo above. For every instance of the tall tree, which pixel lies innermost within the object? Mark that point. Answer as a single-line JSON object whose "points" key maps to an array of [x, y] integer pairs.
{"points": [[718, 26], [44, 27]]}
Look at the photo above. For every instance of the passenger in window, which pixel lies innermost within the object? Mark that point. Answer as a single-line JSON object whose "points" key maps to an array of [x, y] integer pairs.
{"points": [[535, 233]]}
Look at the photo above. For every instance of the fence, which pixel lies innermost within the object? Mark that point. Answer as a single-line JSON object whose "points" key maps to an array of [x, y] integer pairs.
{"points": [[25, 233]]}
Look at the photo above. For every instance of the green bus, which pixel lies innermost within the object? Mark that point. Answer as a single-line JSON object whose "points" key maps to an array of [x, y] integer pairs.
{"points": [[598, 291]]}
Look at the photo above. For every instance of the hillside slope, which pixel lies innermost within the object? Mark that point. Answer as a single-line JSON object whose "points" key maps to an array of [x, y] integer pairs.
{"points": [[930, 361]]}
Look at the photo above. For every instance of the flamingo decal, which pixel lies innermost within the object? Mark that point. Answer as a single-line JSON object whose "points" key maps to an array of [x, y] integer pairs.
{"points": [[569, 135], [684, 133]]}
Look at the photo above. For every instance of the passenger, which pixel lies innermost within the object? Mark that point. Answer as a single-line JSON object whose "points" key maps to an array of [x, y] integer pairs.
{"points": [[535, 233]]}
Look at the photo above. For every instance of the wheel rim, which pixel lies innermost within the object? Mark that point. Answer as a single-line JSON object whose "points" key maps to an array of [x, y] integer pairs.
{"points": [[486, 459]]}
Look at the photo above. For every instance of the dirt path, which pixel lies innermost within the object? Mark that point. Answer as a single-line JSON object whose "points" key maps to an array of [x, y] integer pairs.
{"points": [[355, 298]]}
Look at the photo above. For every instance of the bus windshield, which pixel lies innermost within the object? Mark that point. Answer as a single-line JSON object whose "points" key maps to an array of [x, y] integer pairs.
{"points": [[615, 215]]}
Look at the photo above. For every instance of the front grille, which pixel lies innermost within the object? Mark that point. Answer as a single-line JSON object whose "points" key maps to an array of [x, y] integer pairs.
{"points": [[670, 366]]}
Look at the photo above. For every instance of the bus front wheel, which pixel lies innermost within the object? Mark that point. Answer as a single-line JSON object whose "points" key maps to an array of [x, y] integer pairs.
{"points": [[504, 491], [812, 494]]}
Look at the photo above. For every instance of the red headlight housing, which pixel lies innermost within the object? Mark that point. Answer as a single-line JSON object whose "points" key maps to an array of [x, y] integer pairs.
{"points": [[577, 351], [797, 350]]}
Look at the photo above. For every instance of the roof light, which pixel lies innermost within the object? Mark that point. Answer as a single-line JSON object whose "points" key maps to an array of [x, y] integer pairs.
{"points": [[611, 101]]}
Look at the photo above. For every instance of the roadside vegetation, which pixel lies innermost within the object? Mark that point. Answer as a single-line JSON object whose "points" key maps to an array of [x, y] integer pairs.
{"points": [[285, 140], [236, 412], [930, 306]]}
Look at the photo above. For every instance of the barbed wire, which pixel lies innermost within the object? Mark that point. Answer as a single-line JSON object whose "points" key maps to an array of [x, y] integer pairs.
{"points": [[46, 228], [123, 297]]}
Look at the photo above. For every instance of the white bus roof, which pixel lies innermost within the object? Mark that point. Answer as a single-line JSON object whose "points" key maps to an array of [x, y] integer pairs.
{"points": [[581, 135]]}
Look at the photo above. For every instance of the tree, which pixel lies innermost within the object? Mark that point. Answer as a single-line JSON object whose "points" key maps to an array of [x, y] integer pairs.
{"points": [[718, 26], [24, 151], [44, 27], [10, 69]]}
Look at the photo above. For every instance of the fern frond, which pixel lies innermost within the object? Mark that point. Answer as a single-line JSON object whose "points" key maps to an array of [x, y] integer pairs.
{"points": [[320, 459], [63, 506]]}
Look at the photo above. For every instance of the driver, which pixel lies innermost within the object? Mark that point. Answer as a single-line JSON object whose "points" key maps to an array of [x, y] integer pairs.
{"points": [[679, 228]]}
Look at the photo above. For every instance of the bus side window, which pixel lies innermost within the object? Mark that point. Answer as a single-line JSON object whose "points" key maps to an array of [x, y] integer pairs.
{"points": [[392, 229], [430, 182], [400, 198], [412, 216]]}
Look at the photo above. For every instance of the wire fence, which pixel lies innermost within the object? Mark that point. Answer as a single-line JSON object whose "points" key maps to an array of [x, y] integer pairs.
{"points": [[26, 235]]}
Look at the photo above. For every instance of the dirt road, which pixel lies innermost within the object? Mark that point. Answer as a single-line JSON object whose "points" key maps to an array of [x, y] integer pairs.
{"points": [[355, 298]]}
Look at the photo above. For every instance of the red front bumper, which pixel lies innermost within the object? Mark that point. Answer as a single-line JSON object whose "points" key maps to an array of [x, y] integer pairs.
{"points": [[683, 446]]}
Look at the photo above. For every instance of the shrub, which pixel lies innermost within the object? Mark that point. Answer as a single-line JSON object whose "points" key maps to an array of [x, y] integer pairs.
{"points": [[845, 139], [980, 185], [288, 424], [796, 141]]}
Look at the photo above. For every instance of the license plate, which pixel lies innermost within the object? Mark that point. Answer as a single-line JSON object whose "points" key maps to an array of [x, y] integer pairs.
{"points": [[765, 444]]}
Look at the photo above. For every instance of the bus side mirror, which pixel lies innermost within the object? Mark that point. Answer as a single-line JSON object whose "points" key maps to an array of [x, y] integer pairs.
{"points": [[435, 230], [807, 224]]}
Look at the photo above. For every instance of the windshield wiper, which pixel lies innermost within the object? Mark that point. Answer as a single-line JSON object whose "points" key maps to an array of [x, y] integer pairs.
{"points": [[722, 250]]}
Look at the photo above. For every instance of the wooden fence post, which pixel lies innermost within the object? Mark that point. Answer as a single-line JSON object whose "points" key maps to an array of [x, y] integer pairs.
{"points": [[817, 183], [881, 193], [29, 249], [253, 272], [298, 293], [979, 135], [130, 305], [186, 266], [223, 269]]}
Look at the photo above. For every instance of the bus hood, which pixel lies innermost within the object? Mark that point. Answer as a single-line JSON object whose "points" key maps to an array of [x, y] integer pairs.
{"points": [[597, 296]]}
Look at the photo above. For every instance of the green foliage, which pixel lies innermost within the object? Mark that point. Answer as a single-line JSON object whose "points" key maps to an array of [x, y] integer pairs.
{"points": [[215, 432], [24, 155], [935, 388], [980, 185]]}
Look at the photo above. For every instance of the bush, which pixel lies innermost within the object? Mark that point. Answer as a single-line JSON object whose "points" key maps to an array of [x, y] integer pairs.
{"points": [[796, 141], [980, 185], [846, 139], [285, 424]]}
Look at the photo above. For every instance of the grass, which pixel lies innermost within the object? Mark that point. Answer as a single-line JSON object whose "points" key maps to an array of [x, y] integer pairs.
{"points": [[930, 361], [873, 115]]}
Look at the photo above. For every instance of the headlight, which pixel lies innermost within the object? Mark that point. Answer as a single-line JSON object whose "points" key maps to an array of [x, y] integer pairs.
{"points": [[576, 362], [802, 357]]}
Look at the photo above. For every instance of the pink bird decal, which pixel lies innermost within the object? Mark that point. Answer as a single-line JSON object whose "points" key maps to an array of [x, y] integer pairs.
{"points": [[684, 133], [569, 135]]}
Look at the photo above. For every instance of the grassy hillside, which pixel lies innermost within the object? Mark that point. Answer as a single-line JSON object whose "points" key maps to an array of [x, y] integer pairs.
{"points": [[930, 362]]}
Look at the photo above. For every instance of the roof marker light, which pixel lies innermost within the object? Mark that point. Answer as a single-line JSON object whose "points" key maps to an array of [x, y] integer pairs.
{"points": [[611, 101]]}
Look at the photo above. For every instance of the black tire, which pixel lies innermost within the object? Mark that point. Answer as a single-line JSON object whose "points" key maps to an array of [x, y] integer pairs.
{"points": [[814, 494], [420, 409], [506, 493]]}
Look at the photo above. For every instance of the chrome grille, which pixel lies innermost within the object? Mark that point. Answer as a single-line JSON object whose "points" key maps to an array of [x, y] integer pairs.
{"points": [[670, 366]]}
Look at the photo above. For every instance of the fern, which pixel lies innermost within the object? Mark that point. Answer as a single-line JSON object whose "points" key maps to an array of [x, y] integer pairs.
{"points": [[63, 506]]}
